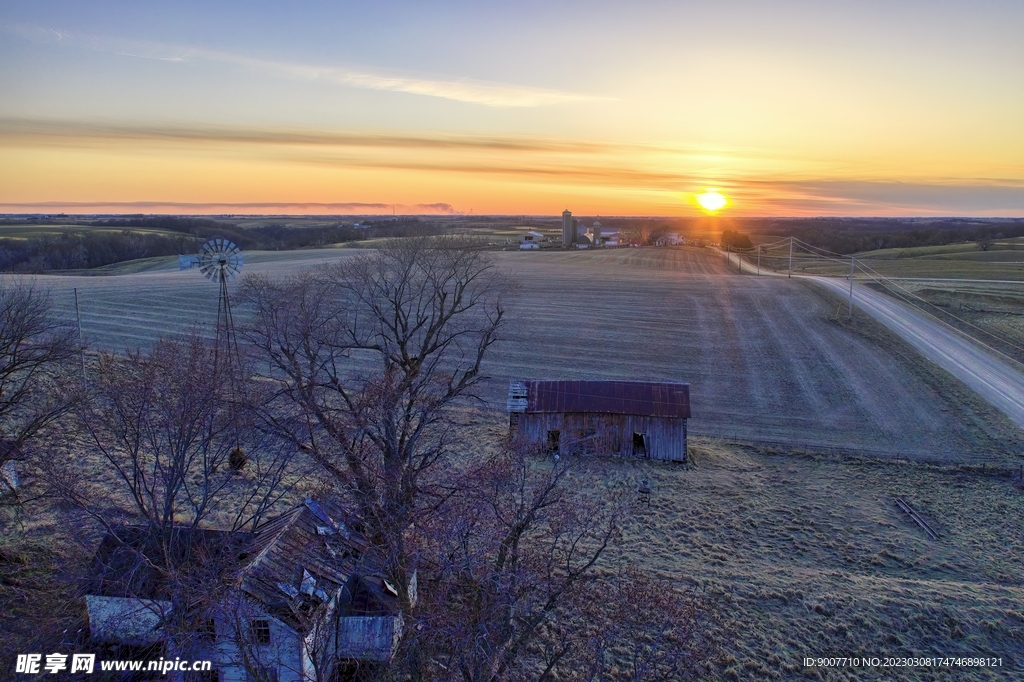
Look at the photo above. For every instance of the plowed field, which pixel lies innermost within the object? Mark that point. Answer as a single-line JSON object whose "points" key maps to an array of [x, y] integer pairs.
{"points": [[768, 359]]}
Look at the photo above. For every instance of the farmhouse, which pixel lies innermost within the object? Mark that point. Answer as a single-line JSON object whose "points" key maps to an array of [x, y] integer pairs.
{"points": [[299, 599], [641, 418]]}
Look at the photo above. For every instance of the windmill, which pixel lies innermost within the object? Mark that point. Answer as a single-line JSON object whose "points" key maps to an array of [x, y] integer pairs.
{"points": [[220, 260]]}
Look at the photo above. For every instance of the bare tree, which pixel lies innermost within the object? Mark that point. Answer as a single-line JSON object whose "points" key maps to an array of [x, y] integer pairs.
{"points": [[370, 356], [507, 556], [162, 428], [36, 351], [152, 469]]}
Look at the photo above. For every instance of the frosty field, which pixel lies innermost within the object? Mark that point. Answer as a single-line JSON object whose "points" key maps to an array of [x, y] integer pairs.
{"points": [[768, 359]]}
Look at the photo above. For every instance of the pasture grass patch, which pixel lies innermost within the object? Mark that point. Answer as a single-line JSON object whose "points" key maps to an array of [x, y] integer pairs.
{"points": [[809, 556]]}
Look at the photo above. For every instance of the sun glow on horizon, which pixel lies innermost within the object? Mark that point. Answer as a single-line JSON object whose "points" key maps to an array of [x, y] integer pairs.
{"points": [[712, 201]]}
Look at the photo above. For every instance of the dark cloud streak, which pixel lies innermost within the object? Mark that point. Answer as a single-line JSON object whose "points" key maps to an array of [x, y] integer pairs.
{"points": [[73, 133]]}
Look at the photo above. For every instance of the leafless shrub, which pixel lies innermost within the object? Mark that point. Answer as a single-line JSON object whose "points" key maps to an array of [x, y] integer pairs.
{"points": [[503, 557], [642, 628], [161, 427]]}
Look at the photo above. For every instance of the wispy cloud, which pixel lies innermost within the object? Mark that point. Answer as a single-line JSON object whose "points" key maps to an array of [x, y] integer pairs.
{"points": [[206, 207], [472, 91], [955, 196]]}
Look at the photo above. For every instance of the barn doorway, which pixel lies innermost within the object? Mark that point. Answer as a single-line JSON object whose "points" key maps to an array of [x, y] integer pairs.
{"points": [[639, 444], [553, 439]]}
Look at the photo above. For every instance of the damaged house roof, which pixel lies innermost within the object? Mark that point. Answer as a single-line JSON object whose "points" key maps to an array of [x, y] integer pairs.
{"points": [[290, 565]]}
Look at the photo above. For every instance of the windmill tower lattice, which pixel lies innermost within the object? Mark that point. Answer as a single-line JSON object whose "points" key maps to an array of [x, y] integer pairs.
{"points": [[220, 260]]}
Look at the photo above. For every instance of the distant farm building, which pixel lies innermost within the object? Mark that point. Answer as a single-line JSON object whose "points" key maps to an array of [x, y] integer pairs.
{"points": [[639, 418], [531, 240], [568, 228]]}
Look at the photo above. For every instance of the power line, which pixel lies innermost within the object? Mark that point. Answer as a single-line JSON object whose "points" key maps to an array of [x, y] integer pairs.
{"points": [[909, 297]]}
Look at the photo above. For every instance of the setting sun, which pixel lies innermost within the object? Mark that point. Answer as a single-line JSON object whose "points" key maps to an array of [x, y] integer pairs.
{"points": [[712, 200]]}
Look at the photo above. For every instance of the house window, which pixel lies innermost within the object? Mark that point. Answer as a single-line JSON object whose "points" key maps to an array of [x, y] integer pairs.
{"points": [[207, 631], [261, 631]]}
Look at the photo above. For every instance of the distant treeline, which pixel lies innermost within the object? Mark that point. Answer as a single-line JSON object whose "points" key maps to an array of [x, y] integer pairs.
{"points": [[76, 248], [278, 236], [856, 235], [736, 240]]}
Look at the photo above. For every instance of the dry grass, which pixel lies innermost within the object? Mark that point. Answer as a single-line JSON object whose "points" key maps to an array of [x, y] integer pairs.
{"points": [[810, 557], [39, 600]]}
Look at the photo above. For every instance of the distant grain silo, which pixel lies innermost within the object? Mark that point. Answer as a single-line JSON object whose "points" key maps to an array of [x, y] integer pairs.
{"points": [[640, 418], [595, 230], [568, 231]]}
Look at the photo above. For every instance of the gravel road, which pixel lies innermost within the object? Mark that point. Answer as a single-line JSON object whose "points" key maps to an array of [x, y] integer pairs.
{"points": [[997, 380]]}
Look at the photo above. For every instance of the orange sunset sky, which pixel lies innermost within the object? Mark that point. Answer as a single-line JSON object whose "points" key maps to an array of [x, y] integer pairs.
{"points": [[789, 108]]}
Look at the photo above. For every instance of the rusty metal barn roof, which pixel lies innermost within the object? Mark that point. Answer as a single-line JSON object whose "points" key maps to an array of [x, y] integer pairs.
{"points": [[646, 398]]}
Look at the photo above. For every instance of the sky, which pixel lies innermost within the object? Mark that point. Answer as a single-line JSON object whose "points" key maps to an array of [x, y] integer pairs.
{"points": [[789, 108]]}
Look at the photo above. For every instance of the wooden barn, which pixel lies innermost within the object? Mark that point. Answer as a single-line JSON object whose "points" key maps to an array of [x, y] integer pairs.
{"points": [[640, 418]]}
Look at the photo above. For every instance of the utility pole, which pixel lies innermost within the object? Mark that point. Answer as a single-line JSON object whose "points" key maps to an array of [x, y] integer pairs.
{"points": [[849, 312], [790, 257], [81, 343]]}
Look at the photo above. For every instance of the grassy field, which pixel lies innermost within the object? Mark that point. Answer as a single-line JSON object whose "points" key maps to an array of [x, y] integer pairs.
{"points": [[978, 292], [992, 312], [808, 555], [804, 554]]}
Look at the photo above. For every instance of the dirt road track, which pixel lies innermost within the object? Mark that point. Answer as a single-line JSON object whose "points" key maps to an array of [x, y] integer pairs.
{"points": [[994, 379]]}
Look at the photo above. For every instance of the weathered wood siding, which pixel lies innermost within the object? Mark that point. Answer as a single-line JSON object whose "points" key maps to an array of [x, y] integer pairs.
{"points": [[369, 638], [610, 434]]}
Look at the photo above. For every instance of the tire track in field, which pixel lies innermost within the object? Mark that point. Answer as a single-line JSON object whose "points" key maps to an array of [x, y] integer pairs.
{"points": [[647, 314], [761, 356]]}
